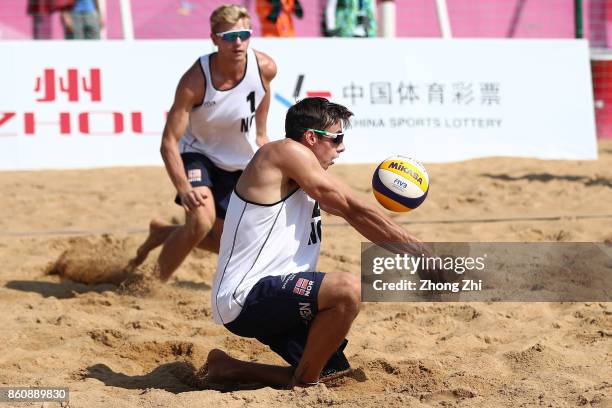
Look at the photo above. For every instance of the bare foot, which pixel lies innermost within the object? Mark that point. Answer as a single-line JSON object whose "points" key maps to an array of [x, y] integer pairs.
{"points": [[223, 369], [158, 232], [219, 366]]}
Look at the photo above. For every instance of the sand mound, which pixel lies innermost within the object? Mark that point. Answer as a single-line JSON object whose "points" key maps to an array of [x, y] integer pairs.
{"points": [[140, 282], [534, 358], [93, 260]]}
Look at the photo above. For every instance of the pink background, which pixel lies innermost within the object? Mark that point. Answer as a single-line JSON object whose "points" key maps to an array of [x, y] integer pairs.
{"points": [[415, 18]]}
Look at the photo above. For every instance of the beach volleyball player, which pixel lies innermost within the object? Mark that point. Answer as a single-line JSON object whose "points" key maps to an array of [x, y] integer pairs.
{"points": [[207, 142], [266, 285]]}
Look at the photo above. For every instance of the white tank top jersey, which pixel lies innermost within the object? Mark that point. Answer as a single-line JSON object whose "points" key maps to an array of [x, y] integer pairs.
{"points": [[220, 127], [263, 240]]}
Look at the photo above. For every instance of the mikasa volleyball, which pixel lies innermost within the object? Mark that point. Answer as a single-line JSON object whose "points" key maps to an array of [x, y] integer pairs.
{"points": [[400, 183]]}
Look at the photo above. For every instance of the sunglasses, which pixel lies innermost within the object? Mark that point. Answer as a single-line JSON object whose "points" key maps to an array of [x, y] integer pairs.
{"points": [[232, 35], [337, 138]]}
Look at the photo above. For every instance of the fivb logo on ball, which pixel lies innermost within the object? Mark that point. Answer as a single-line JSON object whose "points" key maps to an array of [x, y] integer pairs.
{"points": [[400, 183]]}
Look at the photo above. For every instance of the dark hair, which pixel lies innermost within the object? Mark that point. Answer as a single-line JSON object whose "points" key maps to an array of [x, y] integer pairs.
{"points": [[315, 113]]}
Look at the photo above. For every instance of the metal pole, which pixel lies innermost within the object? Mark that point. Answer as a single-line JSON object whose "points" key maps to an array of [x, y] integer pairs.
{"points": [[445, 27], [126, 20], [578, 24], [103, 31], [387, 14]]}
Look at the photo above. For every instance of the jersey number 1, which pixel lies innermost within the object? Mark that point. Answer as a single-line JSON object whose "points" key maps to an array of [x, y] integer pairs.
{"points": [[248, 122]]}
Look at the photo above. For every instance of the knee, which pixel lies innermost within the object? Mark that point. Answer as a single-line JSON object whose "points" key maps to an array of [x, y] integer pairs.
{"points": [[199, 222], [349, 293]]}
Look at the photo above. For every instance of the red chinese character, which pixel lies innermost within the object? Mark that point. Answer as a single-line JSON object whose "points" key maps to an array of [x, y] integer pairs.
{"points": [[69, 85], [47, 81], [95, 87]]}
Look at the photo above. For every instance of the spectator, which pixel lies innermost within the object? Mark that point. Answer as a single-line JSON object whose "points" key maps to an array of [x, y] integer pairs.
{"points": [[349, 18], [275, 17], [83, 21], [41, 12]]}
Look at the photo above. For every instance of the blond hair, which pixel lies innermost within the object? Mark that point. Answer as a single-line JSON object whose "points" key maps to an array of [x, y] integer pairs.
{"points": [[228, 13]]}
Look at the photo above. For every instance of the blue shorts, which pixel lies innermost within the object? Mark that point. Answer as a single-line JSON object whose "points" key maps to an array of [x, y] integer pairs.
{"points": [[201, 171], [278, 312]]}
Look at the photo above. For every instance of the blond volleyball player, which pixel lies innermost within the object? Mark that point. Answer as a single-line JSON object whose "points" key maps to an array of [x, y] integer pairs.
{"points": [[207, 139], [266, 285]]}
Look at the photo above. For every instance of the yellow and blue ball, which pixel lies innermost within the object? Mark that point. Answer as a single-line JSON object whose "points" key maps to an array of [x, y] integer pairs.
{"points": [[400, 183]]}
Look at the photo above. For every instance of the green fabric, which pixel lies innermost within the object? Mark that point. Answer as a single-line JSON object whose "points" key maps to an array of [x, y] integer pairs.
{"points": [[346, 17]]}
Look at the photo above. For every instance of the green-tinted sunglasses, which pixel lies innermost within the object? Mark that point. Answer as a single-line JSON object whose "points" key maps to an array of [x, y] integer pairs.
{"points": [[337, 138], [232, 35]]}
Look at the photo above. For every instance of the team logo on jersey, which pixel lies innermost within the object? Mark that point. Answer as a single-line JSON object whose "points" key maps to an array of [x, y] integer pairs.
{"points": [[287, 279], [305, 312], [194, 175], [303, 287], [209, 104]]}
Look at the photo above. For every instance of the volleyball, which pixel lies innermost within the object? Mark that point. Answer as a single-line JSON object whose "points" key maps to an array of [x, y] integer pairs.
{"points": [[400, 183]]}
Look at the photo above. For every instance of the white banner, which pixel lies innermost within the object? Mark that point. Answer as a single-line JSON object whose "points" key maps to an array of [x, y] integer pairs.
{"points": [[91, 104]]}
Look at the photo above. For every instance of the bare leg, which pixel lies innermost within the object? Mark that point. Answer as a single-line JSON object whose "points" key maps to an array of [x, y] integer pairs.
{"points": [[159, 231], [212, 241], [338, 301], [223, 368], [183, 239]]}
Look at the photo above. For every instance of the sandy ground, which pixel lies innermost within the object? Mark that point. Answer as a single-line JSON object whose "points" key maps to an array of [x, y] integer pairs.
{"points": [[139, 344]]}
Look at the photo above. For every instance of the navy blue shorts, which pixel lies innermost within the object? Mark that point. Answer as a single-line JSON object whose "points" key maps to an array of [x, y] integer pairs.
{"points": [[278, 312], [201, 171]]}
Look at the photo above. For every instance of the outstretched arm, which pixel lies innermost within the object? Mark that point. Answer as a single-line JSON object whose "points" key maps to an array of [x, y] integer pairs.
{"points": [[336, 197]]}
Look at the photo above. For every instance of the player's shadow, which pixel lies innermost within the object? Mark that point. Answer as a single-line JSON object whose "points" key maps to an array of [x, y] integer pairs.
{"points": [[67, 289], [191, 285], [175, 377], [64, 290], [547, 177]]}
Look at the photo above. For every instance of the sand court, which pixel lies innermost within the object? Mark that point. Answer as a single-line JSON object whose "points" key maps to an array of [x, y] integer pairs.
{"points": [[74, 316]]}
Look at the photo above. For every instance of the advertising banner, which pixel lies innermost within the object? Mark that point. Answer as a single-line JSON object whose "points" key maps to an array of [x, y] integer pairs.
{"points": [[95, 104]]}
